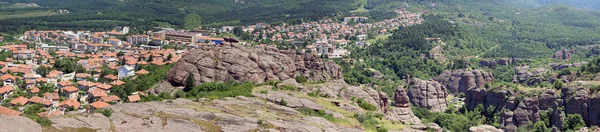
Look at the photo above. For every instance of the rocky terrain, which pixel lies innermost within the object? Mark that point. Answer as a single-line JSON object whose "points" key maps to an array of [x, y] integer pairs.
{"points": [[264, 112], [233, 62], [19, 124], [518, 113], [564, 54], [427, 94], [458, 81]]}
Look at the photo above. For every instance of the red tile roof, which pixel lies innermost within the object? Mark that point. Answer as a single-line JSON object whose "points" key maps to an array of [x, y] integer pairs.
{"points": [[134, 98], [7, 111], [99, 104], [117, 83], [19, 100], [70, 103], [70, 89], [39, 100], [7, 76], [65, 83]]}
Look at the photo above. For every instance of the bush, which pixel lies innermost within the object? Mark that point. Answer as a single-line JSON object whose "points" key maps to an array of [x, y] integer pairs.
{"points": [[368, 120], [106, 112], [289, 88], [301, 79], [574, 122], [319, 113], [283, 102], [44, 121], [366, 105], [215, 90]]}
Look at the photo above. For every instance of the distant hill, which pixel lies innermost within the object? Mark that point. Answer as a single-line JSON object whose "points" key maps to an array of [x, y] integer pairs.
{"points": [[584, 4], [173, 12]]}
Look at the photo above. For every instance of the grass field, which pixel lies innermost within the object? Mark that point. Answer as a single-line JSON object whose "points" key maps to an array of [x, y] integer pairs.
{"points": [[382, 37], [28, 14]]}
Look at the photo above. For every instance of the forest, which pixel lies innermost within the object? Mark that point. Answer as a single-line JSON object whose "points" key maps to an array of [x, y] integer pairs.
{"points": [[98, 15]]}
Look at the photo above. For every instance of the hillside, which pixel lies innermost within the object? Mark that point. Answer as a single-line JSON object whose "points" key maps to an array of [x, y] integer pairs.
{"points": [[104, 14]]}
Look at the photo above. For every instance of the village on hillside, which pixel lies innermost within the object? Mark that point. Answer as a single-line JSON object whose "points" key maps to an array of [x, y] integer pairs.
{"points": [[83, 71]]}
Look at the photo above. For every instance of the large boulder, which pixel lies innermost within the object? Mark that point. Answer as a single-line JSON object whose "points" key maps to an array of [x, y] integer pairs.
{"points": [[564, 54], [458, 81], [427, 94], [232, 62]]}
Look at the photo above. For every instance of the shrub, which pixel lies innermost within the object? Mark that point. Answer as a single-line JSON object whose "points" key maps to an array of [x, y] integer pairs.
{"points": [[283, 102], [106, 112], [318, 113], [368, 120], [215, 90], [44, 121], [301, 79], [289, 88], [366, 105]]}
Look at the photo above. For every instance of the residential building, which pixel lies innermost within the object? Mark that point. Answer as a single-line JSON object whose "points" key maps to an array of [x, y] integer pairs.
{"points": [[125, 71]]}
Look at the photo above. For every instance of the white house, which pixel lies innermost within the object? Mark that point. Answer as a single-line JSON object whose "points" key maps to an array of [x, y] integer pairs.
{"points": [[126, 71]]}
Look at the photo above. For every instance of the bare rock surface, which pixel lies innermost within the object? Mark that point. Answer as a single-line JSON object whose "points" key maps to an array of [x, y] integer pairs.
{"points": [[427, 94], [18, 124], [458, 81], [232, 62], [484, 128]]}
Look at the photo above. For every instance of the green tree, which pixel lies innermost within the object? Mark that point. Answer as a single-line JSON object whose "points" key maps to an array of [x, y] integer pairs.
{"points": [[558, 85], [189, 82], [574, 122], [192, 21]]}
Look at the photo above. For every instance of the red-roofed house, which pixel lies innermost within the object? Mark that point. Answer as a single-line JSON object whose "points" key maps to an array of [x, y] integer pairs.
{"points": [[70, 92], [70, 103], [39, 100], [99, 105], [8, 79], [19, 101], [134, 98], [7, 111]]}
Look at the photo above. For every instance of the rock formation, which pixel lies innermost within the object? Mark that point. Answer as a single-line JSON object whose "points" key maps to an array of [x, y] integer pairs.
{"points": [[484, 128], [518, 113], [427, 94], [233, 62], [525, 75], [401, 110], [227, 115], [18, 124], [563, 66], [564, 54], [500, 62], [458, 81]]}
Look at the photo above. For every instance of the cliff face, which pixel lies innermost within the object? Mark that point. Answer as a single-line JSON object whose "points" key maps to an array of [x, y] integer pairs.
{"points": [[427, 94], [232, 62], [513, 114], [458, 81]]}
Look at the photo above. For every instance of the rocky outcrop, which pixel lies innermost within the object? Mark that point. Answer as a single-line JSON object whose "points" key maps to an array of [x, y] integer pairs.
{"points": [[370, 95], [525, 75], [227, 115], [458, 81], [516, 113], [564, 54], [556, 66], [484, 128], [427, 94], [500, 62], [233, 62], [18, 124], [401, 110]]}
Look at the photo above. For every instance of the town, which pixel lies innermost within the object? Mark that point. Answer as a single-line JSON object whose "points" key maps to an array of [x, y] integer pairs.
{"points": [[84, 71]]}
